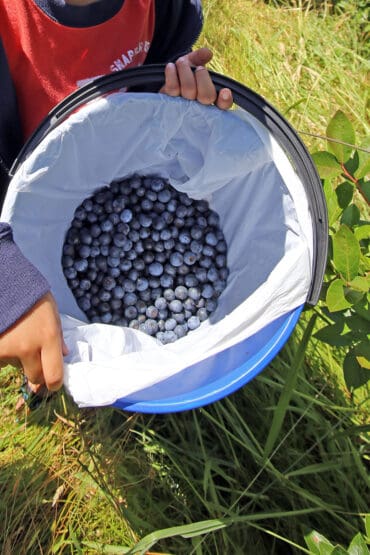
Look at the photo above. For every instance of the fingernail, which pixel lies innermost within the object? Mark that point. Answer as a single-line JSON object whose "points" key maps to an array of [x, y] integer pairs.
{"points": [[199, 68], [225, 95]]}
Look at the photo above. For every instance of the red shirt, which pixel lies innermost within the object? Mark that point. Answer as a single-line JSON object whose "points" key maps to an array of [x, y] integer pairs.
{"points": [[52, 60]]}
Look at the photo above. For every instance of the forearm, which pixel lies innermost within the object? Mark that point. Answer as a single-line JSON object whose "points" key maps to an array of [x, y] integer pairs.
{"points": [[21, 284]]}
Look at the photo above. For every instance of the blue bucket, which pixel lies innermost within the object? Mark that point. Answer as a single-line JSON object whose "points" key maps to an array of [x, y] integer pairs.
{"points": [[223, 373]]}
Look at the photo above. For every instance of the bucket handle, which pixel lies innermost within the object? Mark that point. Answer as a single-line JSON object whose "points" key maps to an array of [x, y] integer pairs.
{"points": [[265, 113]]}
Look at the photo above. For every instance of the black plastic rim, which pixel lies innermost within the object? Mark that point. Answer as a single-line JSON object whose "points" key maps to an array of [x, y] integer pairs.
{"points": [[281, 130]]}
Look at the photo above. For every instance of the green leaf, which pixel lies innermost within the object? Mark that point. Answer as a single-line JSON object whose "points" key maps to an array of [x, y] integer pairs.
{"points": [[362, 232], [350, 216], [327, 165], [344, 193], [363, 160], [367, 525], [335, 298], [357, 324], [352, 164], [346, 253], [318, 544], [355, 375], [358, 546], [353, 296], [186, 531], [340, 128], [361, 283], [334, 210], [332, 335], [365, 190]]}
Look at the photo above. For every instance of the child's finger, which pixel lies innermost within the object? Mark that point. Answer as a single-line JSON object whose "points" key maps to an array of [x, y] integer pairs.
{"points": [[32, 367], [199, 57], [52, 364], [186, 78], [172, 84], [206, 91], [224, 99]]}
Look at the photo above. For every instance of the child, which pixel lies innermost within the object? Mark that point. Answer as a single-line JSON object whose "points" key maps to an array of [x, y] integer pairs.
{"points": [[48, 48]]}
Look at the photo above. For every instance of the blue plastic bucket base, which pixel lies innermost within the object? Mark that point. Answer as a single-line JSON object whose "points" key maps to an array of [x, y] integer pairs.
{"points": [[217, 376]]}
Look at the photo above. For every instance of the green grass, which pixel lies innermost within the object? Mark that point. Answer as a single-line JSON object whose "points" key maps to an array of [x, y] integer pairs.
{"points": [[252, 473]]}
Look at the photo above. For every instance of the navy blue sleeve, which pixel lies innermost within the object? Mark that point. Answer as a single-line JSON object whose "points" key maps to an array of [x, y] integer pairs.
{"points": [[178, 24], [21, 284]]}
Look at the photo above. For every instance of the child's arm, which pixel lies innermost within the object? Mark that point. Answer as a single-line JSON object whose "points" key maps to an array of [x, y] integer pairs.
{"points": [[30, 328]]}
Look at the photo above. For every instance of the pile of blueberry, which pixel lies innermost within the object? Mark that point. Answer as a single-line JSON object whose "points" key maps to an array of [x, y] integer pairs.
{"points": [[141, 254]]}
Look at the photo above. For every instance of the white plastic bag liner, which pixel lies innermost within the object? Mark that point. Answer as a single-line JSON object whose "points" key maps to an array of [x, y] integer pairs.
{"points": [[227, 158]]}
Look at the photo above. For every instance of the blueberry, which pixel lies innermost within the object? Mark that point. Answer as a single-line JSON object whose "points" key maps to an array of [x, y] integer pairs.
{"points": [[202, 314], [114, 251], [190, 258], [189, 304], [119, 239], [211, 305], [156, 185], [165, 235], [141, 306], [129, 299], [104, 295], [142, 284], [115, 304], [129, 285], [179, 317], [208, 251], [175, 306], [70, 273], [150, 327], [145, 220], [113, 261], [84, 303], [176, 259], [221, 246], [196, 247], [170, 324], [85, 284], [130, 312], [84, 251], [164, 195], [207, 291], [155, 269], [106, 318], [181, 292], [161, 303], [190, 280], [105, 239], [169, 337], [95, 231], [109, 283], [152, 312], [194, 293], [169, 295], [193, 323], [163, 314], [125, 265], [159, 224], [180, 331], [81, 265], [166, 281], [126, 216], [106, 225], [67, 261]]}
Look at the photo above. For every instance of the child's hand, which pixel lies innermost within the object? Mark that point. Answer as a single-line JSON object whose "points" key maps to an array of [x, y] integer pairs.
{"points": [[182, 80], [36, 342]]}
